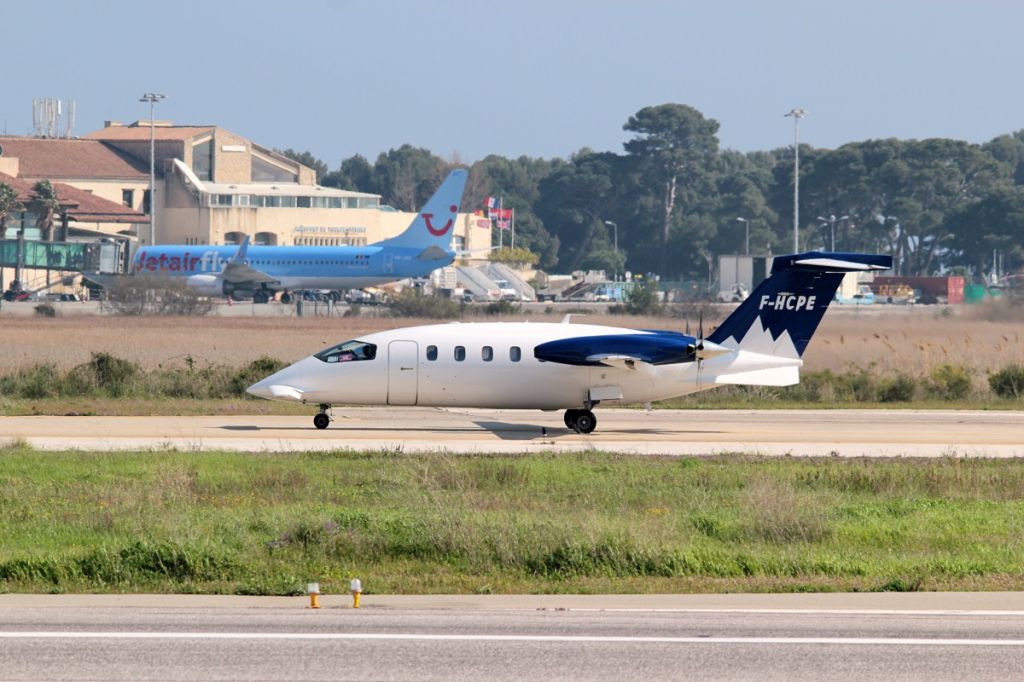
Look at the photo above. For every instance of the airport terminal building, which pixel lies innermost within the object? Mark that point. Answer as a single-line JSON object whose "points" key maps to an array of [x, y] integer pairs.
{"points": [[212, 187]]}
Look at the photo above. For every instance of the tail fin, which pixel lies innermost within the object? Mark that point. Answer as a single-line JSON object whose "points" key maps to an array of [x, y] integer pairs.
{"points": [[433, 224], [783, 312]]}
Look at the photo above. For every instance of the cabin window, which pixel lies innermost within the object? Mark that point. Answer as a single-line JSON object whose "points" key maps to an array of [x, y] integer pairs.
{"points": [[460, 353], [515, 354], [431, 353], [487, 353], [348, 351]]}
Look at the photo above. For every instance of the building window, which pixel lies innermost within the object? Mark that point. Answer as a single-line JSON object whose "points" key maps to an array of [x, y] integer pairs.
{"points": [[515, 354], [264, 171], [146, 208], [202, 160], [487, 353], [128, 198], [460, 353], [431, 353]]}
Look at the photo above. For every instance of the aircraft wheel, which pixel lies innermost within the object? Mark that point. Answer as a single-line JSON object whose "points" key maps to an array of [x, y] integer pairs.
{"points": [[584, 421], [259, 297], [321, 421], [570, 415]]}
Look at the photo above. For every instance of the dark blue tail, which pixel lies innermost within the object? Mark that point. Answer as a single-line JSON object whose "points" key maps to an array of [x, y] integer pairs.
{"points": [[792, 301]]}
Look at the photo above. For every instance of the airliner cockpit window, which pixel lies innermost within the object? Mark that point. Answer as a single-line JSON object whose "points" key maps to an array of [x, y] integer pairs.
{"points": [[348, 352]]}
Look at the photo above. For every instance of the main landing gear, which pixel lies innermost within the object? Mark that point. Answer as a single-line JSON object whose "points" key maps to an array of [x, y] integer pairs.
{"points": [[580, 421], [322, 420]]}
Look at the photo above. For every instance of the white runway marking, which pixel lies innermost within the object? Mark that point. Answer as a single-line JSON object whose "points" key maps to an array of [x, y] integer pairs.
{"points": [[555, 639]]}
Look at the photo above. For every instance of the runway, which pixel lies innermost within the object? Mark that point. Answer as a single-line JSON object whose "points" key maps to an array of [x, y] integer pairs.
{"points": [[845, 433], [67, 638]]}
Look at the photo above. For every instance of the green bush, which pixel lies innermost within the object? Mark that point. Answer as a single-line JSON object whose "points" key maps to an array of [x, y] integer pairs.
{"points": [[501, 308], [643, 300], [257, 370], [414, 303], [899, 388], [32, 383], [949, 382], [1008, 382]]}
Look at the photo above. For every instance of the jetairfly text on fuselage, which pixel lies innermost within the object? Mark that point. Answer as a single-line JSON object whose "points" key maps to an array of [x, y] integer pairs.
{"points": [[207, 262]]}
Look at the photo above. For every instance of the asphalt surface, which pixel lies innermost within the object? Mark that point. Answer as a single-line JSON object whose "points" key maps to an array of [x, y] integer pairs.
{"points": [[854, 433], [94, 642]]}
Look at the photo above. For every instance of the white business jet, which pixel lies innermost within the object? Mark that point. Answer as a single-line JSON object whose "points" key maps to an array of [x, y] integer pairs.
{"points": [[550, 366]]}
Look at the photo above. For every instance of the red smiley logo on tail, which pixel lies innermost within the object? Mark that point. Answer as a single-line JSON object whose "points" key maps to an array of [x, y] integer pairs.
{"points": [[438, 232]]}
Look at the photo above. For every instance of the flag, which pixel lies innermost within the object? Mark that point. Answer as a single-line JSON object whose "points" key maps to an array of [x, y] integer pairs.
{"points": [[502, 214], [492, 202], [504, 223]]}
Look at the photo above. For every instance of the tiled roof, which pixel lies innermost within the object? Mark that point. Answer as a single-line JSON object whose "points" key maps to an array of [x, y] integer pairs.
{"points": [[77, 159], [80, 205], [141, 133]]}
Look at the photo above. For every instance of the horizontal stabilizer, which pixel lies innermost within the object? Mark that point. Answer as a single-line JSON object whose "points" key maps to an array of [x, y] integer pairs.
{"points": [[832, 262]]}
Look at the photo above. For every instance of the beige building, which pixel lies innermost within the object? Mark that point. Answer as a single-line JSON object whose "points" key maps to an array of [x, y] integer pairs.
{"points": [[214, 187]]}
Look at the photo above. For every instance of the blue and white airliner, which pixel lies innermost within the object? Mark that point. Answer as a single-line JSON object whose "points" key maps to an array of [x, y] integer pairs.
{"points": [[550, 366], [257, 272]]}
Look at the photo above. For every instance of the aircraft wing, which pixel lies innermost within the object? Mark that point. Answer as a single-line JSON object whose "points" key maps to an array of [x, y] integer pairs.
{"points": [[237, 271]]}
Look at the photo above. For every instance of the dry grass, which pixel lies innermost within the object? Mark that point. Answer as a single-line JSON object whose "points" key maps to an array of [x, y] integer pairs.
{"points": [[912, 340]]}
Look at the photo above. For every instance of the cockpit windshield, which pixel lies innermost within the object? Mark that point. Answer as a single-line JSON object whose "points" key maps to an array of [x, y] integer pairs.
{"points": [[348, 351]]}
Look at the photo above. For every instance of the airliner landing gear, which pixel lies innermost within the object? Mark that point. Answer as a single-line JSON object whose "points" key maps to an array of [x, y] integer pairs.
{"points": [[580, 421], [322, 420], [260, 296]]}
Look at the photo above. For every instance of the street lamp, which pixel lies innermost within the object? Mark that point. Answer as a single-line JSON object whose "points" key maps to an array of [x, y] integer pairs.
{"points": [[831, 220], [746, 242], [615, 231], [797, 114], [152, 98]]}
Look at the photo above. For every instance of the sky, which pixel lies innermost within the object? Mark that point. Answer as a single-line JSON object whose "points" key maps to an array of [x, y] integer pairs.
{"points": [[542, 78]]}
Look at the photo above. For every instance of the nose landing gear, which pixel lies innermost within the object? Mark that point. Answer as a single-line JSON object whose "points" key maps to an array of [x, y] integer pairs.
{"points": [[323, 419]]}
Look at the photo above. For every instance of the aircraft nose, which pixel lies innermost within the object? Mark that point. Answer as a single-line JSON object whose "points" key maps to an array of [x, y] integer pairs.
{"points": [[261, 389]]}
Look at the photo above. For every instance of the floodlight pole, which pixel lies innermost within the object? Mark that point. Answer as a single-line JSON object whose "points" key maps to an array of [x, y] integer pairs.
{"points": [[152, 98], [746, 242], [796, 114]]}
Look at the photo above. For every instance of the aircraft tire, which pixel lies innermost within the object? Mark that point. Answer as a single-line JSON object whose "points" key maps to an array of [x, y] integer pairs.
{"points": [[569, 418], [321, 421], [584, 421], [259, 297]]}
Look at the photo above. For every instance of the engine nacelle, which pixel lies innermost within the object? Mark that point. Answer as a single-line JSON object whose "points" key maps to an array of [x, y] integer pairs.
{"points": [[208, 285]]}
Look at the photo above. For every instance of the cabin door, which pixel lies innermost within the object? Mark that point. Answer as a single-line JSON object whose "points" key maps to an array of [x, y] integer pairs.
{"points": [[402, 381]]}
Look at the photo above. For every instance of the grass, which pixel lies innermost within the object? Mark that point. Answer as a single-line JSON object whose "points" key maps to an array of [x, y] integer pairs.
{"points": [[266, 524]]}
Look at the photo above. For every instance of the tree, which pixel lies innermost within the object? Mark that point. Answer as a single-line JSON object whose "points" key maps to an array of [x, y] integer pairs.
{"points": [[407, 176], [8, 204], [574, 200], [996, 222], [356, 174], [45, 204], [307, 159], [673, 143]]}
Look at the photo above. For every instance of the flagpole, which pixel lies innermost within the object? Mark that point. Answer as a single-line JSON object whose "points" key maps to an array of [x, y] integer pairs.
{"points": [[501, 230], [513, 228]]}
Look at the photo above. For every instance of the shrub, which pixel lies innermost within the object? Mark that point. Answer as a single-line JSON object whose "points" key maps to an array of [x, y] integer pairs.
{"points": [[1008, 382], [258, 369], [949, 382], [414, 303], [515, 256], [899, 388], [45, 310], [35, 382], [643, 300], [501, 308]]}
